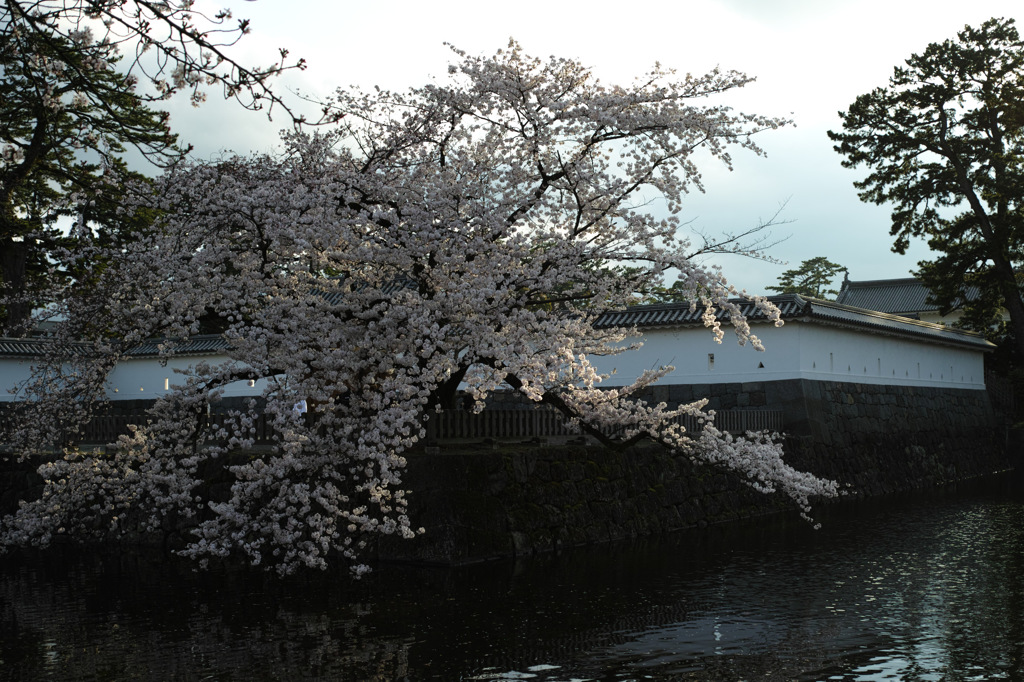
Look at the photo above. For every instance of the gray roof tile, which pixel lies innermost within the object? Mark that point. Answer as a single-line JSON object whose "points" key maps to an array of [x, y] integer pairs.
{"points": [[35, 347], [194, 346], [905, 295]]}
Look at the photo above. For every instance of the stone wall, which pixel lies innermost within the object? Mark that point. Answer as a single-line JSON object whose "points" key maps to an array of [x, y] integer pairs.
{"points": [[485, 501], [506, 500]]}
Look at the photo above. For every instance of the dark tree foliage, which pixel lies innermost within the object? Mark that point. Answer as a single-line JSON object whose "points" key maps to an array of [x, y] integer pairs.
{"points": [[958, 280], [813, 278], [66, 117], [72, 105], [944, 145]]}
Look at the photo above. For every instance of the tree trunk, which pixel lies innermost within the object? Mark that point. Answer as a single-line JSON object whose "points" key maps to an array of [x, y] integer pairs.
{"points": [[17, 309], [1014, 307]]}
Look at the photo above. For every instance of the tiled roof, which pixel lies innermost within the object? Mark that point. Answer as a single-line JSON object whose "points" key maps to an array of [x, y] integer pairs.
{"points": [[336, 297], [21, 347], [794, 307], [672, 314], [197, 345], [898, 325], [901, 296], [35, 347]]}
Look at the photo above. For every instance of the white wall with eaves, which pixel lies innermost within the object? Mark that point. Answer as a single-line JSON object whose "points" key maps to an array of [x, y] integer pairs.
{"points": [[145, 378], [798, 350], [140, 378]]}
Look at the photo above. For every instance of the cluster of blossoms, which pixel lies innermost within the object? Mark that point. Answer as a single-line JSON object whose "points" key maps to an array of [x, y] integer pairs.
{"points": [[460, 237], [11, 155]]}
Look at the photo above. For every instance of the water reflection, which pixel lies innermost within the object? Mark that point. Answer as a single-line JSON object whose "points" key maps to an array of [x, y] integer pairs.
{"points": [[922, 589]]}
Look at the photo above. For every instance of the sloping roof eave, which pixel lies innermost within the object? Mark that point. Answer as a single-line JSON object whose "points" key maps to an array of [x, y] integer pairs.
{"points": [[795, 308]]}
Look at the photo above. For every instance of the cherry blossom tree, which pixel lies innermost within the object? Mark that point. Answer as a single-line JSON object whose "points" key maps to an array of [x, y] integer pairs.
{"points": [[457, 237]]}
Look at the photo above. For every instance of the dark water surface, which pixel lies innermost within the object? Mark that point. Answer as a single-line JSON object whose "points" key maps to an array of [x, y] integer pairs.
{"points": [[925, 587]]}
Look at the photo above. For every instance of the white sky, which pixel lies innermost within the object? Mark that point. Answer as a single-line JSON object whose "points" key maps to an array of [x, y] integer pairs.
{"points": [[811, 59]]}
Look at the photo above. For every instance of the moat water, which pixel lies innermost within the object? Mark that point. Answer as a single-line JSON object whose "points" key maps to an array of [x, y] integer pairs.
{"points": [[923, 587]]}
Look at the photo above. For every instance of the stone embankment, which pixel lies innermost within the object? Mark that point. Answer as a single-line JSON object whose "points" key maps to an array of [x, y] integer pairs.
{"points": [[482, 501], [505, 500]]}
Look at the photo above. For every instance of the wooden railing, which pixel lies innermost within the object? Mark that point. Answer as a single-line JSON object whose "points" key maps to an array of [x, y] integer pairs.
{"points": [[741, 421], [458, 425], [107, 428], [461, 425]]}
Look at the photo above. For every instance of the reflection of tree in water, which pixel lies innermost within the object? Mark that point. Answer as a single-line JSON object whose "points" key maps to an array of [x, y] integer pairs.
{"points": [[96, 618], [945, 587], [1013, 577], [130, 619], [981, 585], [891, 591]]}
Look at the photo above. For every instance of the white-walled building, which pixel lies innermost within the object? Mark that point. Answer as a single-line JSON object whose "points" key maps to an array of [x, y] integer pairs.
{"points": [[819, 340]]}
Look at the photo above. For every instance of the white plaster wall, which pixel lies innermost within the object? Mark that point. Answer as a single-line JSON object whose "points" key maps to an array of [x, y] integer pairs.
{"points": [[688, 350], [146, 379], [13, 373], [133, 379], [839, 354], [934, 317], [797, 351]]}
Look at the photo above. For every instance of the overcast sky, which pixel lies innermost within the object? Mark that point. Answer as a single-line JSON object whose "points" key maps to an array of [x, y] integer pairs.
{"points": [[811, 59]]}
